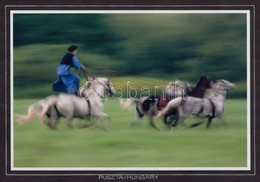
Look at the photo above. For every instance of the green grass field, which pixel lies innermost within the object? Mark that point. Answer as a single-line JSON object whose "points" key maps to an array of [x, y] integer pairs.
{"points": [[223, 145]]}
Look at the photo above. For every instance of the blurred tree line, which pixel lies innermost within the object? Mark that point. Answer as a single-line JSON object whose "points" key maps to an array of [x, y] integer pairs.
{"points": [[153, 45]]}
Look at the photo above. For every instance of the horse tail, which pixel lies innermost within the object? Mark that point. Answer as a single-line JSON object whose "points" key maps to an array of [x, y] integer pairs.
{"points": [[126, 104], [174, 103], [38, 109], [32, 113]]}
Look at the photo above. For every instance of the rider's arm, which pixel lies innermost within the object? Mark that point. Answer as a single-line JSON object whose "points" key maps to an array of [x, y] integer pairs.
{"points": [[77, 65], [76, 62]]}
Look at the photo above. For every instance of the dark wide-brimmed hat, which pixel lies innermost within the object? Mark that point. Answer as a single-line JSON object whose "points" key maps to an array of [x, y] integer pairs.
{"points": [[72, 48]]}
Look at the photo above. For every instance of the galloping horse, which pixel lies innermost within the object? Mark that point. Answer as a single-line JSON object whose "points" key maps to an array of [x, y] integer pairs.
{"points": [[149, 106], [210, 107], [198, 91], [71, 106]]}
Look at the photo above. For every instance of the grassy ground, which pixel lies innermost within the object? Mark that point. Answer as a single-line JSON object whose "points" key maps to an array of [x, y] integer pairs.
{"points": [[223, 145]]}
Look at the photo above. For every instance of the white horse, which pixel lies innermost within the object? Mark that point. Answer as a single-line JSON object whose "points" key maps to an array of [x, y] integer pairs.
{"points": [[150, 106], [210, 107], [88, 103]]}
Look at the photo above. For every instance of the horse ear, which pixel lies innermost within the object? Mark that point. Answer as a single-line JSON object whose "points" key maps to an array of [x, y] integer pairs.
{"points": [[88, 84], [81, 92]]}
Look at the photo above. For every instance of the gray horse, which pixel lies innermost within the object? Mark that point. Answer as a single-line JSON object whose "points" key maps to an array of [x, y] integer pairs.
{"points": [[88, 103], [210, 107]]}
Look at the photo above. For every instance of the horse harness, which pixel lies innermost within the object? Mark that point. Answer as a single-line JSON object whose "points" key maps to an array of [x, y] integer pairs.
{"points": [[89, 106], [212, 106]]}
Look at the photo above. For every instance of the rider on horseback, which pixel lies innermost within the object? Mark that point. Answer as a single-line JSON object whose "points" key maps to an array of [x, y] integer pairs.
{"points": [[68, 82]]}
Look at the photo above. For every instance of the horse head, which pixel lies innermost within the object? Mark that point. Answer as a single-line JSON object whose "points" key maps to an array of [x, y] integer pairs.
{"points": [[221, 87], [106, 84], [109, 88], [225, 85], [204, 82], [98, 86]]}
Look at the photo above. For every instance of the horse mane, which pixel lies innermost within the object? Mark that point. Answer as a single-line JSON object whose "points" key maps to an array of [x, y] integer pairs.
{"points": [[88, 84], [102, 80]]}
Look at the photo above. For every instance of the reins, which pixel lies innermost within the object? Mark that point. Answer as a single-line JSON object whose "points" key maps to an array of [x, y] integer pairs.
{"points": [[89, 75]]}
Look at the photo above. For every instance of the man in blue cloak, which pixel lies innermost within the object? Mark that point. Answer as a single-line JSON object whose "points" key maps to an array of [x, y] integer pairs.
{"points": [[68, 82]]}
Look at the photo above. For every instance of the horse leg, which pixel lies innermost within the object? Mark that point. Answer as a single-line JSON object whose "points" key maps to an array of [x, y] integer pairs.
{"points": [[138, 116], [150, 117], [151, 114], [90, 123], [166, 120], [180, 115], [196, 124], [177, 122], [170, 118], [69, 122], [52, 118], [174, 125], [102, 116], [209, 121], [174, 115]]}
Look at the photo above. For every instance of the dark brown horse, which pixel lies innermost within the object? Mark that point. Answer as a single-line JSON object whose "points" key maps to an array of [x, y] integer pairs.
{"points": [[202, 85], [198, 91]]}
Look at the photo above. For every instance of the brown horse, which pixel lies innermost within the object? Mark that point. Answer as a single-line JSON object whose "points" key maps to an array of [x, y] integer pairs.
{"points": [[202, 85]]}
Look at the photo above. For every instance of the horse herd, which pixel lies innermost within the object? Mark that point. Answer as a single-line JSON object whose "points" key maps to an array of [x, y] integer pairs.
{"points": [[180, 101]]}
